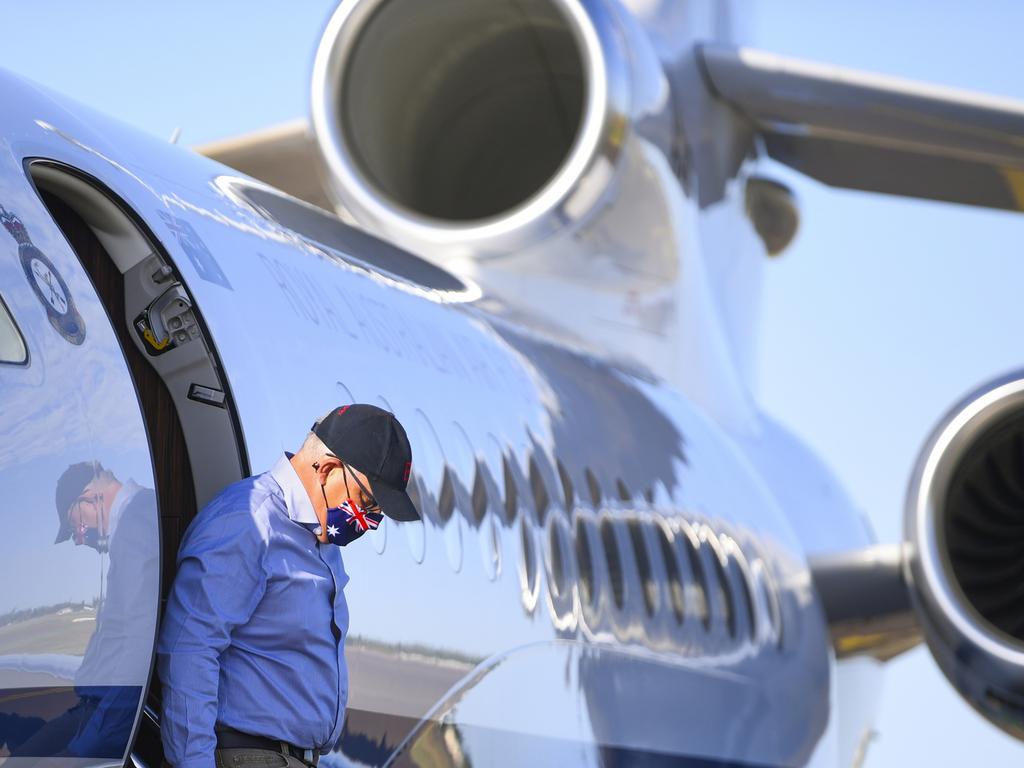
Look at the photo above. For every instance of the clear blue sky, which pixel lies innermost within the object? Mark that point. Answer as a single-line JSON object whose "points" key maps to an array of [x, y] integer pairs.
{"points": [[879, 317], [885, 311]]}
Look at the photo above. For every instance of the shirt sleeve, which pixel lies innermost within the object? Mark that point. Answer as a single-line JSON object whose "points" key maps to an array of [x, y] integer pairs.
{"points": [[109, 724], [220, 581]]}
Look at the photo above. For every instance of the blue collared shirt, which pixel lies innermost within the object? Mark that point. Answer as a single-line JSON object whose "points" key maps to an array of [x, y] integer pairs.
{"points": [[253, 635]]}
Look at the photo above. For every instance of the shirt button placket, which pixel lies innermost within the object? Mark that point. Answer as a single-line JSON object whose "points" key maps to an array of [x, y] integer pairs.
{"points": [[336, 631]]}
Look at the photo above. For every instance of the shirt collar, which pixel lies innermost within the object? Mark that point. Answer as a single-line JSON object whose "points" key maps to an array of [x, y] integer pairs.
{"points": [[124, 495], [296, 500]]}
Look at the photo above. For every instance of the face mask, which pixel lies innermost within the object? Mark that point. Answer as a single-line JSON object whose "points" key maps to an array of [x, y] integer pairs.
{"points": [[348, 522], [90, 536]]}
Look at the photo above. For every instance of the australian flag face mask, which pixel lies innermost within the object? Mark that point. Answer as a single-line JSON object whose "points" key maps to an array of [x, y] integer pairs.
{"points": [[348, 522]]}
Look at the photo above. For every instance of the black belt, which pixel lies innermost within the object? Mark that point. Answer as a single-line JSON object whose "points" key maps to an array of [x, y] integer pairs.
{"points": [[229, 738]]}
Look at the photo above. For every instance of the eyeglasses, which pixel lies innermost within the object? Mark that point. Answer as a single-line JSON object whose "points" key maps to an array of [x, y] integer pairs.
{"points": [[368, 502], [76, 507]]}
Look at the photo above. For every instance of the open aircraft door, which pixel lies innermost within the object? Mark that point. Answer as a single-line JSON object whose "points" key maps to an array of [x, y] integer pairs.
{"points": [[92, 410], [77, 635]]}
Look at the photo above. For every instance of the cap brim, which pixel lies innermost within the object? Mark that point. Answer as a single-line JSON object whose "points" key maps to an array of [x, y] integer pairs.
{"points": [[394, 503]]}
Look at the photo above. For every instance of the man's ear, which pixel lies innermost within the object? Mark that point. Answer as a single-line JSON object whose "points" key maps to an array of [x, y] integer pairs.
{"points": [[327, 466]]}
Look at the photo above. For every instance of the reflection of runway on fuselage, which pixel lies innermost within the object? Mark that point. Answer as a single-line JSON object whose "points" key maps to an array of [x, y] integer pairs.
{"points": [[64, 631], [390, 691], [397, 682], [45, 651]]}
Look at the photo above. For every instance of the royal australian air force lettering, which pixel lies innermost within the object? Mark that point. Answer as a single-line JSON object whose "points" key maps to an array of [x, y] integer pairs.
{"points": [[374, 321], [584, 525]]}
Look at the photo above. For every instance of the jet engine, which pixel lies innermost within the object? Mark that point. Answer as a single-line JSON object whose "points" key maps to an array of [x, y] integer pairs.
{"points": [[965, 564], [483, 129]]}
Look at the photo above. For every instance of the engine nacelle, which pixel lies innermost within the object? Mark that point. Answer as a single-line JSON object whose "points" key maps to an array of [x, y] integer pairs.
{"points": [[965, 528], [478, 130]]}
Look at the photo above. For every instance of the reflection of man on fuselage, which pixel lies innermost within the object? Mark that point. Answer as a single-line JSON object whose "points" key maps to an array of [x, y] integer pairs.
{"points": [[119, 521]]}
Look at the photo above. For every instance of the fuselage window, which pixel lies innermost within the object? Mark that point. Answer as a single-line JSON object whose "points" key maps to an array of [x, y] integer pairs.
{"points": [[720, 581], [431, 468], [700, 581], [12, 344], [624, 494], [446, 501], [675, 582], [611, 551], [643, 564], [769, 596], [594, 488], [480, 496], [585, 562], [740, 571], [413, 489], [555, 545], [530, 574], [511, 495], [463, 468], [567, 491], [541, 499]]}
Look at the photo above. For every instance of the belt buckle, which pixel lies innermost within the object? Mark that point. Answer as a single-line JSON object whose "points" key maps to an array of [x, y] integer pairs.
{"points": [[308, 757]]}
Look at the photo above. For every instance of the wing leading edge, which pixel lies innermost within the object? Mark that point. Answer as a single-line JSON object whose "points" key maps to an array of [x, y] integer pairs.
{"points": [[871, 132]]}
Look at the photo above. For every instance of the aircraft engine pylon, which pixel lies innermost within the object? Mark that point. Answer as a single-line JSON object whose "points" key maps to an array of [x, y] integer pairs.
{"points": [[965, 559], [535, 149]]}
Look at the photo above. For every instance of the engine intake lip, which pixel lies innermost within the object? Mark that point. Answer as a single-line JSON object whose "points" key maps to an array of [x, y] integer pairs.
{"points": [[568, 195], [933, 568]]}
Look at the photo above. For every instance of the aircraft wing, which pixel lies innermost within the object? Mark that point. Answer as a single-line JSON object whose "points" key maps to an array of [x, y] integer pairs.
{"points": [[283, 156], [864, 131]]}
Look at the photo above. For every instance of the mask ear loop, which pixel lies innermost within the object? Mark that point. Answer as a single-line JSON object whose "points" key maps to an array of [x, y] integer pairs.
{"points": [[323, 491], [352, 503], [327, 504], [100, 511]]}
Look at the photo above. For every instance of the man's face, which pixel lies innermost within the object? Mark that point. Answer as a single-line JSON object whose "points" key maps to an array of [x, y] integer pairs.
{"points": [[349, 483], [85, 512], [344, 522]]}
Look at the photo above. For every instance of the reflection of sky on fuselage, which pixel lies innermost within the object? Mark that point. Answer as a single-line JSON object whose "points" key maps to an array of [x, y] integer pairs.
{"points": [[87, 386], [72, 403], [886, 311]]}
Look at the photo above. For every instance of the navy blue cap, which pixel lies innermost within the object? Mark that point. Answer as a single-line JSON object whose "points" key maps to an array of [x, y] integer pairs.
{"points": [[69, 487], [373, 441]]}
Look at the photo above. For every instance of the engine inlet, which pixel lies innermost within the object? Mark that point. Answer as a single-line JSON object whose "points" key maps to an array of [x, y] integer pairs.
{"points": [[481, 119]]}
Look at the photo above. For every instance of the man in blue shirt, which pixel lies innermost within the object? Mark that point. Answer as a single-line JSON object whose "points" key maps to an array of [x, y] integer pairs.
{"points": [[251, 651]]}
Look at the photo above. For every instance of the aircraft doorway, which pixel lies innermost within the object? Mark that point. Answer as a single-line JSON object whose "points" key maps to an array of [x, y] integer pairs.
{"points": [[192, 431]]}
